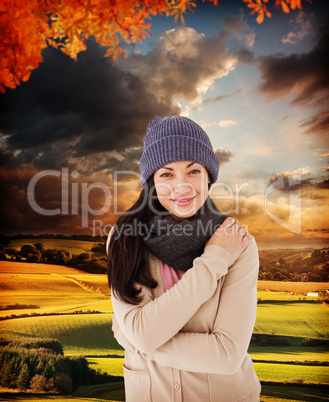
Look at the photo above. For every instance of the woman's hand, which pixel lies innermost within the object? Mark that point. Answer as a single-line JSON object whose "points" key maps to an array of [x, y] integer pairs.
{"points": [[231, 236]]}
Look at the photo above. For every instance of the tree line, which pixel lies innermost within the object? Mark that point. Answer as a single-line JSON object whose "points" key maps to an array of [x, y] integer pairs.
{"points": [[4, 240], [40, 365], [37, 253], [314, 268]]}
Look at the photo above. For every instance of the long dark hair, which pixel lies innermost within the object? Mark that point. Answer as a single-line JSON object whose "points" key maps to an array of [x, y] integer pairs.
{"points": [[128, 262]]}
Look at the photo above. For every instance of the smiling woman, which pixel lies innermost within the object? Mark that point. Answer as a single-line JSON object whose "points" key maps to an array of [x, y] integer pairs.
{"points": [[184, 296], [182, 188]]}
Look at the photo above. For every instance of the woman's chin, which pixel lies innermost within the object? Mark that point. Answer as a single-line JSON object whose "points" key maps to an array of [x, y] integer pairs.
{"points": [[181, 216]]}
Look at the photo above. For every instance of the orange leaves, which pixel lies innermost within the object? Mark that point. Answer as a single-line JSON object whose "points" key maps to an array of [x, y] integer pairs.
{"points": [[28, 26], [260, 8], [285, 7], [115, 50], [180, 7], [22, 38], [293, 4]]}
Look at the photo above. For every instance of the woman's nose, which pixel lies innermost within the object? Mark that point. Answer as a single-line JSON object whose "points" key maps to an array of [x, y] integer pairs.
{"points": [[183, 188]]}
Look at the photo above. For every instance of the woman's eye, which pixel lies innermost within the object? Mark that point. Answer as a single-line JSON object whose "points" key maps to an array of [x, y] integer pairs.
{"points": [[192, 171]]}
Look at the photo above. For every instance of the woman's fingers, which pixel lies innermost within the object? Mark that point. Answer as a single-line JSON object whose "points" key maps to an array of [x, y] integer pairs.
{"points": [[243, 231], [231, 236], [231, 226]]}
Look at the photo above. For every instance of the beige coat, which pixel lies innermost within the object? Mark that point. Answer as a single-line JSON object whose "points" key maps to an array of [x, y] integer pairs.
{"points": [[190, 343]]}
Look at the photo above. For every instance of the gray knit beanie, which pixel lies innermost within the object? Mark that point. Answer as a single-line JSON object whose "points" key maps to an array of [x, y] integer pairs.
{"points": [[176, 138]]}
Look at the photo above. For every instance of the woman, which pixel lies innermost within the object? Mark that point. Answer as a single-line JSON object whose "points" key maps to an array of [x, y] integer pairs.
{"points": [[183, 278]]}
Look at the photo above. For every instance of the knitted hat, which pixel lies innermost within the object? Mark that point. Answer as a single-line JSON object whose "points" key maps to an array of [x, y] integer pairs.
{"points": [[176, 138]]}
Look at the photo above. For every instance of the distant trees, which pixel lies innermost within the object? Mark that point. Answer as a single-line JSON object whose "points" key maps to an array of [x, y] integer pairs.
{"points": [[100, 247], [23, 380], [39, 364], [38, 253], [59, 257], [88, 263], [28, 249], [4, 240], [314, 268], [33, 257]]}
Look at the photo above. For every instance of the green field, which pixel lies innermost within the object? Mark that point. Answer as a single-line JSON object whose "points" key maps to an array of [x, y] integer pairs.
{"points": [[113, 365], [110, 391], [297, 319], [80, 334], [295, 352], [290, 372], [284, 393]]}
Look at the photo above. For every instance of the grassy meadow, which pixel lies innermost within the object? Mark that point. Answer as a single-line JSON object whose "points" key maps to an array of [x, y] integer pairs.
{"points": [[49, 297], [304, 319]]}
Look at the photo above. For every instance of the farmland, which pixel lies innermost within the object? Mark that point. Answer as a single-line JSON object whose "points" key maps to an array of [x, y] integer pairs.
{"points": [[113, 365], [56, 292], [286, 372], [80, 334], [308, 320], [44, 288]]}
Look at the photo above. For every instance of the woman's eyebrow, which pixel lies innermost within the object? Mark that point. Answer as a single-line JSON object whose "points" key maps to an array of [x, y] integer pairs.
{"points": [[190, 164]]}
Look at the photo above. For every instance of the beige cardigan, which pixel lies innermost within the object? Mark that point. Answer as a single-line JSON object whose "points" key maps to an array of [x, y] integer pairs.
{"points": [[190, 343]]}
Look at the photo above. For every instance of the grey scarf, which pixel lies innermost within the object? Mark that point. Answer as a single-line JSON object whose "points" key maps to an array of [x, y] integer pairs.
{"points": [[178, 243]]}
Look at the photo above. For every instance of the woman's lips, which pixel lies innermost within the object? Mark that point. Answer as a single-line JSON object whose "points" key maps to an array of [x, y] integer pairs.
{"points": [[184, 201]]}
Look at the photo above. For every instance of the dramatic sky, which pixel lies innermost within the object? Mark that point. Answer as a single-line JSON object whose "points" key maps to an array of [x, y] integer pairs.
{"points": [[72, 136]]}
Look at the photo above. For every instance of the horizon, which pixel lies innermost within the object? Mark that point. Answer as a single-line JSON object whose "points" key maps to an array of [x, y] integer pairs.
{"points": [[261, 247]]}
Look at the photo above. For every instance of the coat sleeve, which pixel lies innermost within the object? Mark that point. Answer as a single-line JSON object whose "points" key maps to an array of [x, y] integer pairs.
{"points": [[155, 321], [223, 350]]}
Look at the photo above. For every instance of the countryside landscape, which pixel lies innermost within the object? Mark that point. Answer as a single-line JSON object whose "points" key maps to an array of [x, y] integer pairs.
{"points": [[56, 315]]}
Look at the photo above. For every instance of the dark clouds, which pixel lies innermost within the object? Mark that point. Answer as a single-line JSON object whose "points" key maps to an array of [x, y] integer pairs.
{"points": [[76, 109], [72, 111], [291, 181], [318, 123], [305, 75], [183, 64], [46, 209]]}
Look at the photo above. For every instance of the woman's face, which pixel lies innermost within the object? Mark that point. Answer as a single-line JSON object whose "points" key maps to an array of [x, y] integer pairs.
{"points": [[182, 188]]}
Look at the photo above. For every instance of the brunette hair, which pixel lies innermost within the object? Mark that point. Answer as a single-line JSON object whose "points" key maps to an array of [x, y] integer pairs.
{"points": [[128, 262]]}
